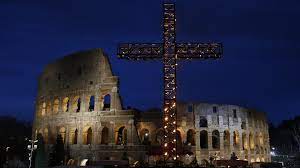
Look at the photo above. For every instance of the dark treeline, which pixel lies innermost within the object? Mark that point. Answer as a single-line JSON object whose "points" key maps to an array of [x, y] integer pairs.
{"points": [[285, 138], [13, 143]]}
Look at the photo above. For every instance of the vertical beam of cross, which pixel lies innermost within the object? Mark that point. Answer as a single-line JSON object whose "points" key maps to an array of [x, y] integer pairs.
{"points": [[170, 52], [169, 69]]}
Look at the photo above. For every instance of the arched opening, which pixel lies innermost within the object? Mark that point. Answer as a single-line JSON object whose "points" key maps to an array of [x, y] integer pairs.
{"points": [[203, 139], [159, 137], [251, 141], [46, 135], [43, 109], [226, 140], [178, 139], [261, 139], [76, 104], [55, 106], [243, 125], [66, 104], [89, 136], [236, 138], [92, 103], [216, 139], [244, 140], [145, 136], [190, 138], [62, 132], [48, 111], [203, 121], [106, 103], [75, 136], [104, 136], [122, 136]]}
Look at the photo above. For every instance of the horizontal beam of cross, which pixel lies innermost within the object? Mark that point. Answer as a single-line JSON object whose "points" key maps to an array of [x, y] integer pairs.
{"points": [[135, 51]]}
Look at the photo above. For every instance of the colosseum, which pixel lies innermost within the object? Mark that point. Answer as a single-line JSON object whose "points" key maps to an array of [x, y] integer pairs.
{"points": [[78, 98]]}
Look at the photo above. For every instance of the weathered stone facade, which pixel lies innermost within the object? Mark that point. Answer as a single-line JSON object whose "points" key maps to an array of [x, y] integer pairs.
{"points": [[78, 98]]}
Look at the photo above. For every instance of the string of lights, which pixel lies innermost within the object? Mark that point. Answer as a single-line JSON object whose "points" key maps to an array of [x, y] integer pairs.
{"points": [[169, 51]]}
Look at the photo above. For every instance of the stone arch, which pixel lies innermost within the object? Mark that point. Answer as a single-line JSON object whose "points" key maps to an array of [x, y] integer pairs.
{"points": [[66, 104], [251, 141], [104, 135], [261, 139], [106, 102], [122, 136], [62, 132], [178, 138], [87, 135], [145, 136], [190, 137], [226, 139], [43, 109], [215, 139], [46, 135], [41, 132], [159, 136], [243, 125], [76, 104], [203, 139], [244, 140], [236, 138], [74, 136], [203, 121], [48, 108], [55, 106], [91, 103]]}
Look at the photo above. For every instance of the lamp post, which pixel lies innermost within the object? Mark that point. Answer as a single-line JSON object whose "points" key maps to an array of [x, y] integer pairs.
{"points": [[31, 147]]}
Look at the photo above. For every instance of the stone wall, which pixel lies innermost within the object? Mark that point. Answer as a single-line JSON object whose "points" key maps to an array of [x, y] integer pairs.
{"points": [[78, 99]]}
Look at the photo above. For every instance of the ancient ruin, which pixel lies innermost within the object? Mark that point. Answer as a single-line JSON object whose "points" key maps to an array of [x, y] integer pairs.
{"points": [[78, 98]]}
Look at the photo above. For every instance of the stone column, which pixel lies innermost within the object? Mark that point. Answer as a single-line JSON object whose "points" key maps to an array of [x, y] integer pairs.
{"points": [[248, 145], [60, 104], [96, 103], [209, 136], [115, 100], [197, 139], [231, 141], [112, 133], [95, 134], [67, 135], [130, 131], [80, 134], [83, 102], [241, 144], [221, 143]]}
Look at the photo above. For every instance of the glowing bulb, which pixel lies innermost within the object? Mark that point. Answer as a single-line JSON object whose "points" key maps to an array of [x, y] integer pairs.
{"points": [[174, 122], [166, 118], [166, 144], [174, 130], [166, 153], [174, 158], [174, 140]]}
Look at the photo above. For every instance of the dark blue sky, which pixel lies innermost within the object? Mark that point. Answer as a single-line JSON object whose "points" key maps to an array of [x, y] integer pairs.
{"points": [[259, 68]]}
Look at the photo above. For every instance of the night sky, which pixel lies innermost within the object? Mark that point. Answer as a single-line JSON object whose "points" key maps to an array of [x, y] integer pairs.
{"points": [[259, 68]]}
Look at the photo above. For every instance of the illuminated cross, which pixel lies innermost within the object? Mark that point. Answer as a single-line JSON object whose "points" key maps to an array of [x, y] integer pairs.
{"points": [[169, 51]]}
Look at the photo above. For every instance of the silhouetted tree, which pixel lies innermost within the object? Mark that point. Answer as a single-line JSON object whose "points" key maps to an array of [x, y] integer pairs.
{"points": [[59, 150], [57, 154], [40, 158]]}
